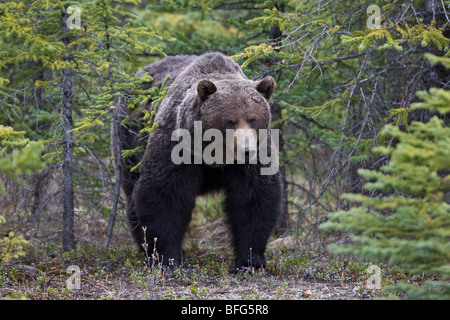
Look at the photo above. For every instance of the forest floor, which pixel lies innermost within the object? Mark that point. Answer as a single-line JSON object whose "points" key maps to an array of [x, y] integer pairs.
{"points": [[121, 273], [297, 268]]}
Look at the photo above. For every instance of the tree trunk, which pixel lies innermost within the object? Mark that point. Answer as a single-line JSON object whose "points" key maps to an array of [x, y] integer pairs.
{"points": [[283, 222], [117, 154], [68, 234]]}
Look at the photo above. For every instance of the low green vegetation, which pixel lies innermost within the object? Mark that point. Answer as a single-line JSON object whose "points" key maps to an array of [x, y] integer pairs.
{"points": [[123, 274], [364, 153]]}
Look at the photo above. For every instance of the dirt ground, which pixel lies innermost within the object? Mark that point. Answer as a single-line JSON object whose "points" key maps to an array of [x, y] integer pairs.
{"points": [[121, 274]]}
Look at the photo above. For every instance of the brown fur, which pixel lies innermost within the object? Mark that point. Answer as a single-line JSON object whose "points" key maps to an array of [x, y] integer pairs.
{"points": [[213, 89]]}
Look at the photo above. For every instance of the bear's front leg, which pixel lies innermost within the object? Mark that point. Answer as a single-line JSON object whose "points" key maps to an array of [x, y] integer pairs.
{"points": [[253, 205], [163, 200]]}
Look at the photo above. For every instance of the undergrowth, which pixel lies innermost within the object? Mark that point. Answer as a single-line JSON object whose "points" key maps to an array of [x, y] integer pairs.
{"points": [[121, 273]]}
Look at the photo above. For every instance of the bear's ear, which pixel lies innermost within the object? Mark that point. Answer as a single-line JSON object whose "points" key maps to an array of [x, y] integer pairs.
{"points": [[205, 88], [266, 87]]}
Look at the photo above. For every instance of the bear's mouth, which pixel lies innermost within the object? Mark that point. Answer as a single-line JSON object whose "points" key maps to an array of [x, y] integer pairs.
{"points": [[250, 153], [246, 155]]}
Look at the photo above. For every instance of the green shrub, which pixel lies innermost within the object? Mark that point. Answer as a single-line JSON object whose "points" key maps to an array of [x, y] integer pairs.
{"points": [[11, 246], [409, 221], [18, 156]]}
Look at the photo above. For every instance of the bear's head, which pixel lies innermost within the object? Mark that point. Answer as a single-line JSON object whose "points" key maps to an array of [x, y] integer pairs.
{"points": [[238, 107]]}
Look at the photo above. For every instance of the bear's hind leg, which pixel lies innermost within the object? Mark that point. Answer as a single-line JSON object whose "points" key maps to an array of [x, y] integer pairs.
{"points": [[135, 227]]}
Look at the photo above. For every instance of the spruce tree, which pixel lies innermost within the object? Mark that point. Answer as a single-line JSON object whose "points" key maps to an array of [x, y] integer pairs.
{"points": [[407, 220], [18, 157], [61, 75]]}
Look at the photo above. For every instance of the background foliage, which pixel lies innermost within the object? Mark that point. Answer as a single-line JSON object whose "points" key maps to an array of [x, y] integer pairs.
{"points": [[409, 221], [343, 91]]}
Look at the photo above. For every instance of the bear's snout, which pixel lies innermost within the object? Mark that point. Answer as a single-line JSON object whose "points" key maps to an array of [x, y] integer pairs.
{"points": [[245, 144]]}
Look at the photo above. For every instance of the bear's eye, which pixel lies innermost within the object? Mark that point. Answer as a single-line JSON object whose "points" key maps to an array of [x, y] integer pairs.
{"points": [[230, 124], [252, 122]]}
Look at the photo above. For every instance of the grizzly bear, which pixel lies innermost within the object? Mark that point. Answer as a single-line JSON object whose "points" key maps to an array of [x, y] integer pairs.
{"points": [[205, 92]]}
